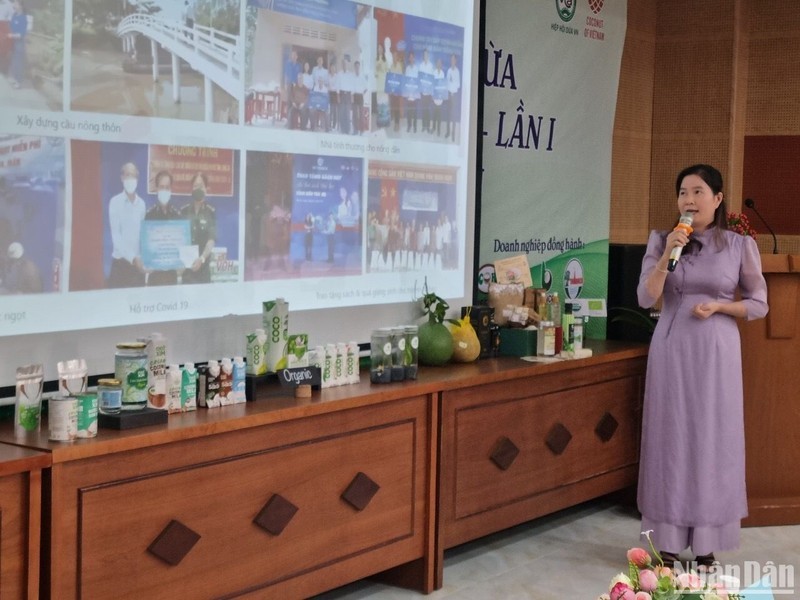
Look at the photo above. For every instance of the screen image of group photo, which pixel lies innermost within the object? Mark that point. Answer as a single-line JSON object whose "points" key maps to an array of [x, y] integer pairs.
{"points": [[150, 215], [304, 216], [348, 68]]}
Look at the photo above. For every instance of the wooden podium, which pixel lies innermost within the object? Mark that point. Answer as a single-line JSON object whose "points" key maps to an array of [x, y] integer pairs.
{"points": [[771, 365]]}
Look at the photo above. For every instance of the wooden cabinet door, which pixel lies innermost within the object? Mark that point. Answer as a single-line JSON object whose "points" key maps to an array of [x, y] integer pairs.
{"points": [[348, 501], [511, 452]]}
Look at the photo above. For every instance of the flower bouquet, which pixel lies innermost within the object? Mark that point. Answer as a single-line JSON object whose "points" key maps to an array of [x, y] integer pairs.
{"points": [[739, 223], [649, 580]]}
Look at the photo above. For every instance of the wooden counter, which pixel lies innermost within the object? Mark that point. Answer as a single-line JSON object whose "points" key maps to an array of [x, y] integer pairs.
{"points": [[770, 361], [20, 520], [286, 498]]}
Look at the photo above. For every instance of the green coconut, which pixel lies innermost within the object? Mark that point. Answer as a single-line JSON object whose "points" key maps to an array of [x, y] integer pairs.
{"points": [[435, 344], [435, 340]]}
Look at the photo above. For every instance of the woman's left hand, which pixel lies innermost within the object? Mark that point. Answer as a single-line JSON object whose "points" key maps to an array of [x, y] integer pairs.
{"points": [[705, 309]]}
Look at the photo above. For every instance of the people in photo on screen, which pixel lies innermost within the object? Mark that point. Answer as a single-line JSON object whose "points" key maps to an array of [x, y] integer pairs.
{"points": [[19, 274], [291, 69], [411, 93], [345, 96], [319, 74], [330, 235], [426, 98], [438, 76], [360, 91], [6, 43], [319, 112], [298, 105], [308, 79], [18, 27], [453, 101], [163, 210], [347, 211], [204, 230], [188, 17], [380, 100], [396, 98], [333, 97], [126, 211], [308, 237]]}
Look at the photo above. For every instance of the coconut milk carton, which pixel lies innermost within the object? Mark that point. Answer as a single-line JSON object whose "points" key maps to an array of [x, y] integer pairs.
{"points": [[275, 319]]}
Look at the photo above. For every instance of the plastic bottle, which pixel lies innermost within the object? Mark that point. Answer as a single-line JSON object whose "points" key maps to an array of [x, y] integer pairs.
{"points": [[353, 370], [568, 328], [238, 380], [380, 370], [329, 370], [546, 339], [578, 337], [412, 346], [398, 353]]}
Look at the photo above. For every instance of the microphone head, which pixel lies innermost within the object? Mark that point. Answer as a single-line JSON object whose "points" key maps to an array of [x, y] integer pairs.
{"points": [[749, 203], [687, 218]]}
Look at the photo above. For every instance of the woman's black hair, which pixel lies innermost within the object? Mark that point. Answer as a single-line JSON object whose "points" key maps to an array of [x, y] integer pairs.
{"points": [[713, 179]]}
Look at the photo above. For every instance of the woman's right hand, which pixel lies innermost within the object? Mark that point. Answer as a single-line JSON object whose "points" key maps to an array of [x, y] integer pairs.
{"points": [[677, 238]]}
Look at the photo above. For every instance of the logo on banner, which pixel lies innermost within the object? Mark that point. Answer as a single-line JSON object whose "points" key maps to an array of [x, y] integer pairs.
{"points": [[566, 9], [596, 5], [486, 275], [573, 279]]}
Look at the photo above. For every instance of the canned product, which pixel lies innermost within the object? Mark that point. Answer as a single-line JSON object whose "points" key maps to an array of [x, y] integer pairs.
{"points": [[109, 396], [87, 415], [130, 368], [63, 418]]}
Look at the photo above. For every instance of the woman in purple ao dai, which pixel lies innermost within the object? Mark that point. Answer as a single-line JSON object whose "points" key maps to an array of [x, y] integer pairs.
{"points": [[691, 471]]}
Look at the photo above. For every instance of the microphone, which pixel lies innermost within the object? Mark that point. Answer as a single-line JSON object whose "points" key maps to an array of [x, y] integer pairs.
{"points": [[749, 203], [685, 224]]}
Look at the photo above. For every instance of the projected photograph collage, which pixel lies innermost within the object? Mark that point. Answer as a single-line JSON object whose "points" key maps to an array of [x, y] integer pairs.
{"points": [[178, 143]]}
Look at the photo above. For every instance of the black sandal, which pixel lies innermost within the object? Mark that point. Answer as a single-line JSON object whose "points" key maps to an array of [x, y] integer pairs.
{"points": [[669, 559], [705, 562]]}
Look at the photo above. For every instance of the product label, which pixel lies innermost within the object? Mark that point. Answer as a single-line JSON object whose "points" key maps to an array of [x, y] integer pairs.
{"points": [[132, 372]]}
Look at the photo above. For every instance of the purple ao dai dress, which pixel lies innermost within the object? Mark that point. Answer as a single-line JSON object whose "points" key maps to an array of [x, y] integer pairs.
{"points": [[691, 470]]}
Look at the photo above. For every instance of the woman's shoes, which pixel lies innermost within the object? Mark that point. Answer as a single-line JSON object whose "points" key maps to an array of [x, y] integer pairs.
{"points": [[705, 562], [670, 558]]}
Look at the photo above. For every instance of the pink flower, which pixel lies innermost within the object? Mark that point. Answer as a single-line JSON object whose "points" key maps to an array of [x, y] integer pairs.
{"points": [[621, 591], [639, 557], [690, 581], [661, 571], [643, 596], [648, 580]]}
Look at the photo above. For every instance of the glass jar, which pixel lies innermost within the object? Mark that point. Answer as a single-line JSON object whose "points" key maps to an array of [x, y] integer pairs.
{"points": [[398, 353], [109, 396], [411, 333], [130, 368], [380, 370], [546, 339]]}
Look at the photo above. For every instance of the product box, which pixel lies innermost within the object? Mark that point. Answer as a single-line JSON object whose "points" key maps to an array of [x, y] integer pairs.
{"points": [[480, 317], [297, 350], [518, 342], [275, 319]]}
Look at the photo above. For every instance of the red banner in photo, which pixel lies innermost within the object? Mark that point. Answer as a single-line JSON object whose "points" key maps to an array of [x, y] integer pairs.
{"points": [[184, 162]]}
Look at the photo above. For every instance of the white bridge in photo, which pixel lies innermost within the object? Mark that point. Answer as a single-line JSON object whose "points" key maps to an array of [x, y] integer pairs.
{"points": [[216, 55]]}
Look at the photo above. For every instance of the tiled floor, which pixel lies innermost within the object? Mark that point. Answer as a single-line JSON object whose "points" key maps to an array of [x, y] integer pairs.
{"points": [[572, 554]]}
